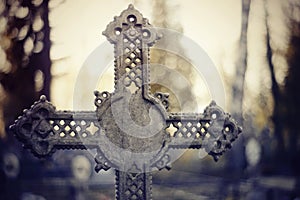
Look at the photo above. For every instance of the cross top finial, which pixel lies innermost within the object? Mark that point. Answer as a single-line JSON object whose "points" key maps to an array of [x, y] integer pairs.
{"points": [[131, 23], [132, 35]]}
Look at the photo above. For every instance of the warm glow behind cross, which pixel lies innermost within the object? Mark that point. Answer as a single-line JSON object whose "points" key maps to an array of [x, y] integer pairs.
{"points": [[134, 129]]}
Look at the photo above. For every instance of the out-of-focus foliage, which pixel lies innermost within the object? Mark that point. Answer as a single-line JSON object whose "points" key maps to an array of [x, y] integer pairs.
{"points": [[164, 17], [24, 56]]}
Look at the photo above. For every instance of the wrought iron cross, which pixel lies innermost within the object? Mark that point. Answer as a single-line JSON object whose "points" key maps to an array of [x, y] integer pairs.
{"points": [[133, 126]]}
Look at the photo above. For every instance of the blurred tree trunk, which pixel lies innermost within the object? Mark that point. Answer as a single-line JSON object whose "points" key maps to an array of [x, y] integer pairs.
{"points": [[277, 115], [292, 95], [237, 155], [287, 98], [241, 66], [27, 31]]}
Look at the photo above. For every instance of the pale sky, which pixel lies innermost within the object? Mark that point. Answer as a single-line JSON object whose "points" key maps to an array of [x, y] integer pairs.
{"points": [[212, 24]]}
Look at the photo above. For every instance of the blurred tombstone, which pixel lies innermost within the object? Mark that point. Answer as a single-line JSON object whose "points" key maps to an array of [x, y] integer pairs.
{"points": [[81, 168], [253, 152], [11, 165]]}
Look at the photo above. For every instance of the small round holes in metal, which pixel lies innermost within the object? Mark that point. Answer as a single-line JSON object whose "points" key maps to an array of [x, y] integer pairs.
{"points": [[62, 122], [132, 65], [127, 69], [104, 94], [72, 134], [99, 101], [67, 128], [193, 129], [131, 19], [56, 127], [127, 50], [118, 31], [127, 60], [132, 74], [214, 116], [228, 129], [78, 129], [146, 34], [132, 55], [132, 45]]}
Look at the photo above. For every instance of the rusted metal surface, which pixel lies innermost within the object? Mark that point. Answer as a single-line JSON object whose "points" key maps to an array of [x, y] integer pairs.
{"points": [[131, 128]]}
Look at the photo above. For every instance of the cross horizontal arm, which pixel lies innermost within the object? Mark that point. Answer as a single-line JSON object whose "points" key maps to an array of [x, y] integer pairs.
{"points": [[214, 130], [42, 129]]}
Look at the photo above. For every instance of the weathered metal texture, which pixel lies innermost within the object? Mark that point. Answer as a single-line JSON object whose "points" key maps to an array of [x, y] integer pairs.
{"points": [[131, 128]]}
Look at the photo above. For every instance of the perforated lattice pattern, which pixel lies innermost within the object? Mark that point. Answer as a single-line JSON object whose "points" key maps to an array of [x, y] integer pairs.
{"points": [[188, 129], [132, 60], [75, 128], [134, 187]]}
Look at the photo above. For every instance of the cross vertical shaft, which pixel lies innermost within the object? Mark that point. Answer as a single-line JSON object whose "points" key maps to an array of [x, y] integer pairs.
{"points": [[132, 35], [133, 185]]}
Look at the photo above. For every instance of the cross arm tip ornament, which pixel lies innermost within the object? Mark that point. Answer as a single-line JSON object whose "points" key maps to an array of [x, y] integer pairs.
{"points": [[214, 130], [222, 131], [32, 129], [42, 129]]}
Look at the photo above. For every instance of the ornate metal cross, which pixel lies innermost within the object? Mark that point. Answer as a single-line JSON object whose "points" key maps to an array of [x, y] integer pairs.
{"points": [[133, 127]]}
